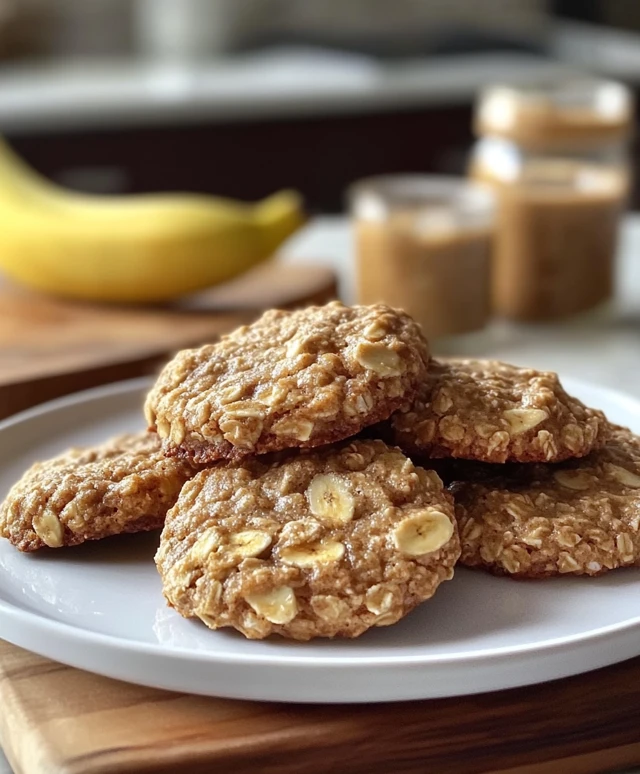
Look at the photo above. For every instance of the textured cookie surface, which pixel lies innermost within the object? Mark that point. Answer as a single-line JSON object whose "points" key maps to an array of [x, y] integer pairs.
{"points": [[125, 485], [494, 412], [580, 517], [292, 379], [322, 543]]}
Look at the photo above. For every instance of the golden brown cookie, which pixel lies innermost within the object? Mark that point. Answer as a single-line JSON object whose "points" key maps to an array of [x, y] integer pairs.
{"points": [[125, 485], [292, 379], [493, 412], [324, 543], [580, 517]]}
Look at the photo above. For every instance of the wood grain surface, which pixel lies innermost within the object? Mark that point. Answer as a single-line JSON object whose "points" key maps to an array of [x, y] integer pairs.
{"points": [[60, 720], [50, 347]]}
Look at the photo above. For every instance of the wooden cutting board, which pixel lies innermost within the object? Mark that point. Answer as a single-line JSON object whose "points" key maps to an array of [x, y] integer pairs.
{"points": [[49, 347], [58, 720]]}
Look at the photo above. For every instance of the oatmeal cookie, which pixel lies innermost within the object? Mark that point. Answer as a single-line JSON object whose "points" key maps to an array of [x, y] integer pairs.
{"points": [[580, 517], [125, 485], [291, 379], [493, 412], [321, 543]]}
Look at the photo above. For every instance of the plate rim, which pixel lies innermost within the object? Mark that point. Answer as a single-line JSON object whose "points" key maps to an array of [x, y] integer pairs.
{"points": [[40, 624]]}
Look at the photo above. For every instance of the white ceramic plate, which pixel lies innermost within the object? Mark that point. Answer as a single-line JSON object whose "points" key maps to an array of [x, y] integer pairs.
{"points": [[99, 606]]}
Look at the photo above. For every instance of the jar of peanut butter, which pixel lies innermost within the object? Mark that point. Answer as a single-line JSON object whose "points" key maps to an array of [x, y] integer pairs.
{"points": [[423, 244], [557, 159]]}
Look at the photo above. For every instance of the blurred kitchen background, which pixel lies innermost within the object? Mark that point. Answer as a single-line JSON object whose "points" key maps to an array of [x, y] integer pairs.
{"points": [[244, 97]]}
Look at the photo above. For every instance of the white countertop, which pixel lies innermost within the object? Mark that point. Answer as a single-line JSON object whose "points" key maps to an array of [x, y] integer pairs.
{"points": [[287, 81], [607, 352], [281, 82]]}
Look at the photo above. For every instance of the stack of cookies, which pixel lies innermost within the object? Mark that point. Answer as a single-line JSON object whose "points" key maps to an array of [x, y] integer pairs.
{"points": [[542, 484], [297, 468], [298, 527]]}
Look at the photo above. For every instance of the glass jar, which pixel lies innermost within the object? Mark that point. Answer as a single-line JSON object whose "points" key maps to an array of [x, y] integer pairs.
{"points": [[423, 244], [557, 160]]}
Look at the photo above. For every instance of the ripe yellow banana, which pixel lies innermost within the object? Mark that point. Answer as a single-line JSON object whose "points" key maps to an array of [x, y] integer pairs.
{"points": [[141, 249]]}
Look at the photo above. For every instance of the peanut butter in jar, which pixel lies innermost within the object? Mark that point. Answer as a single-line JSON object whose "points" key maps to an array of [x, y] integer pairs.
{"points": [[557, 163], [423, 244]]}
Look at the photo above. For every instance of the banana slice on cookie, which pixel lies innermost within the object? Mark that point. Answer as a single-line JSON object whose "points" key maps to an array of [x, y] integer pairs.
{"points": [[334, 541]]}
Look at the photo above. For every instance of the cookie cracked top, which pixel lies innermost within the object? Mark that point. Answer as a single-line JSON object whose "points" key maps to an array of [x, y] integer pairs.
{"points": [[494, 412], [580, 517], [291, 379], [320, 543]]}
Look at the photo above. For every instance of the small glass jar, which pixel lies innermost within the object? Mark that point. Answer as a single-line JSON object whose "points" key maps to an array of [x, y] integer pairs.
{"points": [[423, 244], [557, 160]]}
